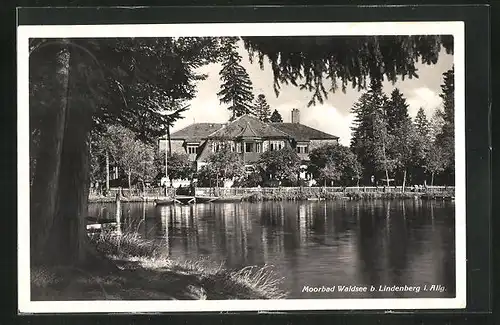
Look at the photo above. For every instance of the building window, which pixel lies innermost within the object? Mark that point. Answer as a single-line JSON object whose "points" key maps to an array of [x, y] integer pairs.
{"points": [[238, 147], [259, 147], [249, 147], [302, 148], [192, 149], [215, 147], [276, 145]]}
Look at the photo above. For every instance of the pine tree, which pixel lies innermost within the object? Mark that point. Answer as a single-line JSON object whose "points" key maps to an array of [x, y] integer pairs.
{"points": [[400, 127], [447, 136], [397, 111], [262, 109], [383, 142], [276, 117], [370, 140], [422, 124], [448, 96], [445, 139], [421, 145], [362, 135], [236, 87]]}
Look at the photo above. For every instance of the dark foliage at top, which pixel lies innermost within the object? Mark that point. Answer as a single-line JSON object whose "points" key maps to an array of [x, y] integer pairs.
{"points": [[310, 62]]}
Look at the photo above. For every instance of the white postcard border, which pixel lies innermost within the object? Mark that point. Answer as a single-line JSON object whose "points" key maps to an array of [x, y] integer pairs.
{"points": [[25, 305]]}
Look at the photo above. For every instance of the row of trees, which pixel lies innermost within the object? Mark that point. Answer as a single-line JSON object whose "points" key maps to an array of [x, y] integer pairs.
{"points": [[140, 163], [389, 145]]}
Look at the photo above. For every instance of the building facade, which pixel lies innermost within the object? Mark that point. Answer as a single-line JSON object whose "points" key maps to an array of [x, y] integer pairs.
{"points": [[247, 136]]}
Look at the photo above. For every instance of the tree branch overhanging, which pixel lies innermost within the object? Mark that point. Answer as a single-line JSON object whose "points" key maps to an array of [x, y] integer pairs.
{"points": [[308, 62]]}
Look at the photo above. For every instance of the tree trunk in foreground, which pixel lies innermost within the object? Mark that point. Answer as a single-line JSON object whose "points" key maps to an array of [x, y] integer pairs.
{"points": [[46, 180], [61, 187], [69, 233]]}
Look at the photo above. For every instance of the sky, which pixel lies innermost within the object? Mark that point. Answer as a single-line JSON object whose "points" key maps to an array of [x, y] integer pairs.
{"points": [[333, 116]]}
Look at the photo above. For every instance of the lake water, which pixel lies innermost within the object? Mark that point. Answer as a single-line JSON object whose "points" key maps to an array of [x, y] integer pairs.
{"points": [[315, 243]]}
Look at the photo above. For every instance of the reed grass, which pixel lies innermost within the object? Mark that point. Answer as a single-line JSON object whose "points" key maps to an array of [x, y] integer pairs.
{"points": [[145, 271]]}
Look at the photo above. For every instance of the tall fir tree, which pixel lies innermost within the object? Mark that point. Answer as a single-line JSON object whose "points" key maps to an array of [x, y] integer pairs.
{"points": [[440, 160], [383, 142], [400, 127], [236, 87], [370, 139], [448, 96], [446, 138], [397, 111], [262, 109], [421, 145], [276, 117], [422, 126], [362, 135]]}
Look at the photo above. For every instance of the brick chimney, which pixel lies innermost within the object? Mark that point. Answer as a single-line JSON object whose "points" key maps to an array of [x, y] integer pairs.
{"points": [[295, 115]]}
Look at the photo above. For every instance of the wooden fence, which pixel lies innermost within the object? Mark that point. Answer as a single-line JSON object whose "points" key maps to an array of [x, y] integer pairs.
{"points": [[157, 192], [314, 191], [240, 191]]}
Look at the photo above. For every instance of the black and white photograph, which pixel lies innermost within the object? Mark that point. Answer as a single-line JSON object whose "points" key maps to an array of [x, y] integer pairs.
{"points": [[241, 167]]}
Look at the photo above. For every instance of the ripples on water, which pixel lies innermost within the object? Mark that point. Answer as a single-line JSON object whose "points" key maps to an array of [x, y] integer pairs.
{"points": [[326, 243]]}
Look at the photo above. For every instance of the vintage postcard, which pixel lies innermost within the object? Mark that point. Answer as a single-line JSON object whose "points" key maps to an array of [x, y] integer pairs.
{"points": [[241, 167]]}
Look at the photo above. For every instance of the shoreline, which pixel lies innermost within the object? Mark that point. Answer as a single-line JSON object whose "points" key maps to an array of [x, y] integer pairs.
{"points": [[132, 268], [123, 199], [352, 196], [284, 196]]}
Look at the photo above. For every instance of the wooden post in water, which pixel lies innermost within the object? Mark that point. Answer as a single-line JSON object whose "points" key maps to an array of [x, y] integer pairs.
{"points": [[166, 170], [107, 172], [118, 210]]}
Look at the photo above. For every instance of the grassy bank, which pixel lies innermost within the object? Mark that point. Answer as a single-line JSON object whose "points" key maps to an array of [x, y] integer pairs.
{"points": [[143, 270]]}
